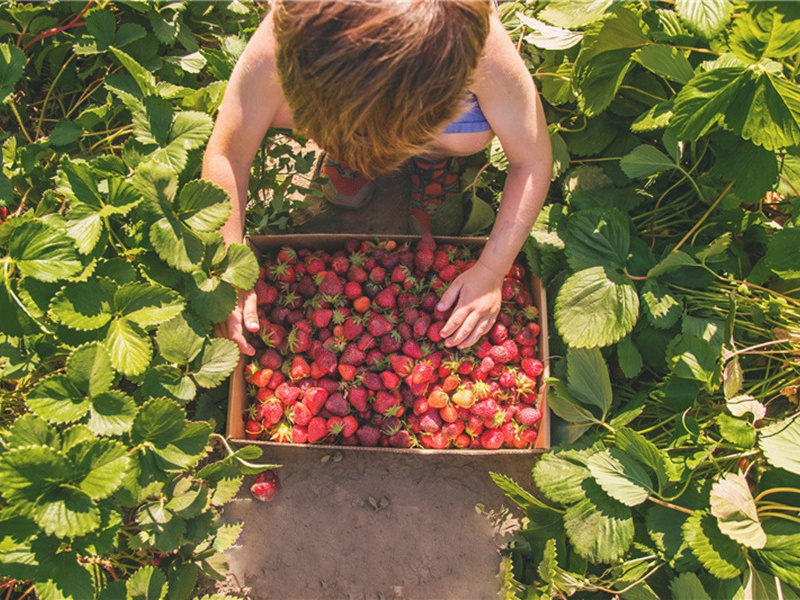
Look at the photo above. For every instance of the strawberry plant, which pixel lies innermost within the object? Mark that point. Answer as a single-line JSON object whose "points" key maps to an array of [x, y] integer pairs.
{"points": [[667, 251], [350, 352]]}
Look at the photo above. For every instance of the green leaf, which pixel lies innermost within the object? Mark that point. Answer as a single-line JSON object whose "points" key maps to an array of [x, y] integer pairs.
{"points": [[548, 37], [629, 358], [212, 298], [768, 587], [767, 113], [736, 431], [766, 30], [692, 357], [176, 244], [664, 528], [589, 381], [129, 346], [144, 78], [203, 206], [754, 169], [620, 476], [30, 430], [180, 339], [189, 131], [227, 536], [657, 117], [30, 471], [705, 17], [89, 368], [644, 161], [597, 237], [723, 557], [65, 132], [574, 13], [188, 448], [55, 398], [66, 512], [62, 577], [158, 421], [100, 466], [85, 226], [704, 101], [781, 553], [146, 305], [687, 586], [596, 308], [168, 382], [12, 65], [782, 256], [779, 442], [662, 308], [605, 58], [733, 506], [635, 444], [562, 403], [85, 305], [741, 405], [671, 262], [215, 362], [112, 413], [665, 61], [480, 218], [102, 25], [148, 583], [188, 499], [43, 252], [559, 478], [599, 527], [240, 267]]}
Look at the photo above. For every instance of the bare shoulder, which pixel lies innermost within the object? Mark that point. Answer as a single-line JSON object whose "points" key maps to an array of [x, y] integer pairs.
{"points": [[260, 53], [500, 66]]}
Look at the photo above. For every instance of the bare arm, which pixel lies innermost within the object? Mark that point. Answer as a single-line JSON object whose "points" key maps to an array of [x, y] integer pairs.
{"points": [[511, 104], [250, 105]]}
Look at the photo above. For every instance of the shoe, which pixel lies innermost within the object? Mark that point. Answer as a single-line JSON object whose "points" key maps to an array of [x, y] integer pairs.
{"points": [[432, 182], [343, 186]]}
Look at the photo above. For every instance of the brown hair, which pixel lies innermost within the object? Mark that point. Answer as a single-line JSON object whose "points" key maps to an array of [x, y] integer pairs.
{"points": [[374, 81]]}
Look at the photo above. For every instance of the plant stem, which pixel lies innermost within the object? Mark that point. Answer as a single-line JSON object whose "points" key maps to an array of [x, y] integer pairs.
{"points": [[779, 516], [778, 490], [13, 106], [49, 92], [704, 217], [669, 505]]}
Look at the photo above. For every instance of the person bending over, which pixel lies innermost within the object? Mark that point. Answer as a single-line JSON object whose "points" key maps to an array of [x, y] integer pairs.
{"points": [[375, 83]]}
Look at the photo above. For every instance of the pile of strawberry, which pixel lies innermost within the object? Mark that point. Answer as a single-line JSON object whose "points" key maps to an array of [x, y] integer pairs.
{"points": [[350, 352]]}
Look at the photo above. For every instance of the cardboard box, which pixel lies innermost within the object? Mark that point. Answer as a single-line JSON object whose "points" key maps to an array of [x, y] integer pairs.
{"points": [[238, 400]]}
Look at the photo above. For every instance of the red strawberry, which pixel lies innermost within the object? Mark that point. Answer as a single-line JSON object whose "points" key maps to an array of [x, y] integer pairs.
{"points": [[362, 304], [391, 342], [385, 402], [430, 421], [270, 412], [386, 298], [365, 342], [377, 275], [438, 398], [507, 379], [317, 430], [321, 317], [434, 332], [528, 436], [353, 356], [533, 367], [512, 349], [357, 397], [253, 429], [340, 264], [434, 441], [429, 302], [378, 325], [266, 487], [301, 414], [491, 439], [331, 285], [352, 328], [271, 359], [352, 290], [498, 354], [300, 368], [498, 334], [421, 405], [335, 425], [401, 439], [449, 413], [528, 336], [482, 349], [350, 426], [368, 435], [412, 348], [486, 409], [314, 265], [390, 380], [421, 325], [528, 416], [448, 273], [372, 381], [422, 373], [337, 405], [401, 364], [261, 377], [287, 393], [298, 435], [357, 274], [265, 293], [272, 334], [450, 382], [347, 372]]}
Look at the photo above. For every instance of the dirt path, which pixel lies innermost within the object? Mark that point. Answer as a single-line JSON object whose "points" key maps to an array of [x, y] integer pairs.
{"points": [[372, 525]]}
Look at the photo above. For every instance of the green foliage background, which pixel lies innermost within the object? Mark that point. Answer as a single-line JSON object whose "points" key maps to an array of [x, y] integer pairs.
{"points": [[669, 247]]}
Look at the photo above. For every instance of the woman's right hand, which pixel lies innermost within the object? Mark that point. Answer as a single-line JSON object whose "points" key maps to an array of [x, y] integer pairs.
{"points": [[244, 318]]}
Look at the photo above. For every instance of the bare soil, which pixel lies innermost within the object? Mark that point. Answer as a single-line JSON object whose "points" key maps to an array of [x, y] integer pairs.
{"points": [[363, 525]]}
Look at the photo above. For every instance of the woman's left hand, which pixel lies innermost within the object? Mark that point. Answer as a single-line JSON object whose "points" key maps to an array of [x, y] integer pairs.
{"points": [[478, 291]]}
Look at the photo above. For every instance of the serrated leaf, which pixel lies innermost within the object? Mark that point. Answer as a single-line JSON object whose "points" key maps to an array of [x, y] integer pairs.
{"points": [[620, 476], [180, 339], [781, 553], [723, 557], [12, 65], [129, 347], [30, 430], [158, 421], [574, 13], [560, 479], [240, 267], [599, 527], [733, 506], [692, 357], [645, 161], [562, 403], [146, 305], [736, 431], [588, 377], [635, 444], [671, 262], [112, 413], [168, 382], [188, 499], [596, 308], [597, 237], [754, 169], [779, 442], [216, 362], [189, 131], [100, 466], [55, 398], [766, 30], [547, 36], [188, 448], [664, 528], [84, 306], [84, 226], [176, 244], [782, 253], [30, 471], [62, 577], [705, 17], [212, 298], [662, 308], [703, 101], [227, 536], [148, 583], [629, 358], [144, 78], [203, 206], [89, 368], [65, 512], [665, 61], [687, 586], [43, 252]]}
